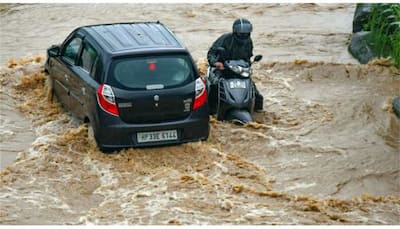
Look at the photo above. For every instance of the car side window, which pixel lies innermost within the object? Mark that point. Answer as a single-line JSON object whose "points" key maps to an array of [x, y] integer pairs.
{"points": [[71, 49], [97, 69], [88, 57]]}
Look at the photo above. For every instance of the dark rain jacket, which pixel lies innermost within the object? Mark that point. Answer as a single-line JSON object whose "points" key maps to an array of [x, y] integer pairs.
{"points": [[234, 49]]}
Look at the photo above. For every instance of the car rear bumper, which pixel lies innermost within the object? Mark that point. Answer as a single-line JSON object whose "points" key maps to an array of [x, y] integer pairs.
{"points": [[116, 134]]}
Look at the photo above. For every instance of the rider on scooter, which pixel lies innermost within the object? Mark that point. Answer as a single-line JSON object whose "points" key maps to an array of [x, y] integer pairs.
{"points": [[238, 45]]}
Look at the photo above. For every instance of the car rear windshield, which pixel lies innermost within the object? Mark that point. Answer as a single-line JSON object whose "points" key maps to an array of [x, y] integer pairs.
{"points": [[151, 72]]}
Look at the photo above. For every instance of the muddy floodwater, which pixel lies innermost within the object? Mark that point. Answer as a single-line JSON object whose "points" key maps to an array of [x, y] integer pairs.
{"points": [[325, 150]]}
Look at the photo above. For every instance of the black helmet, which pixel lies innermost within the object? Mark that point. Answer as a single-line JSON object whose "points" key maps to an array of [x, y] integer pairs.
{"points": [[242, 28], [242, 25]]}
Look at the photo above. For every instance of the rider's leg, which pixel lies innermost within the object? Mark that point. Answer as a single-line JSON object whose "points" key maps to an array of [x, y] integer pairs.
{"points": [[259, 103], [213, 94]]}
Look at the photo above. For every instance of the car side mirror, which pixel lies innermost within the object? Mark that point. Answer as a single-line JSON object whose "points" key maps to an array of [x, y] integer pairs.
{"points": [[258, 58], [53, 51]]}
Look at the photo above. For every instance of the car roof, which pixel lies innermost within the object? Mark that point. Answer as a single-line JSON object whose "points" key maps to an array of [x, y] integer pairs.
{"points": [[135, 37]]}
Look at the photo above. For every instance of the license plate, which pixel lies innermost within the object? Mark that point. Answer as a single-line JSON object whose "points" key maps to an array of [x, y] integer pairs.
{"points": [[157, 136]]}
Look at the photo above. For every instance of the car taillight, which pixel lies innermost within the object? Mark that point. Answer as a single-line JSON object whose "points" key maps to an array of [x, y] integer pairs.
{"points": [[106, 99], [201, 94]]}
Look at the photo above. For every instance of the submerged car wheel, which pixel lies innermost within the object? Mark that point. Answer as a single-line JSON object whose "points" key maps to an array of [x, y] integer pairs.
{"points": [[396, 106], [90, 135], [91, 139], [50, 88]]}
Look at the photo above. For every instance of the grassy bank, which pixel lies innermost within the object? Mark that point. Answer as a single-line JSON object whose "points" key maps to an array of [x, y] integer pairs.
{"points": [[384, 24]]}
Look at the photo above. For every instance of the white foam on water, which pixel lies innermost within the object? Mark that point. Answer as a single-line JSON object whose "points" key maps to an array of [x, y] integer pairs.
{"points": [[37, 145], [300, 186], [106, 176]]}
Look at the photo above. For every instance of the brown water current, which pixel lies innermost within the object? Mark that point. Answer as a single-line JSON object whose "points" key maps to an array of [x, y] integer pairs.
{"points": [[326, 149], [307, 160]]}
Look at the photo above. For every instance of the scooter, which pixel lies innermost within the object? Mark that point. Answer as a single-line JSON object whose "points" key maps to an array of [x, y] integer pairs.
{"points": [[233, 97]]}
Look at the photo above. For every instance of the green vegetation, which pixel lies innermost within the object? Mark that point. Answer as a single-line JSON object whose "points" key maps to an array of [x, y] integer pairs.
{"points": [[384, 24], [4, 7]]}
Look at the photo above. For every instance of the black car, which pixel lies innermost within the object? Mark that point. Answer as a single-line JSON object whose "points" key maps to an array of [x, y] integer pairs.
{"points": [[134, 83]]}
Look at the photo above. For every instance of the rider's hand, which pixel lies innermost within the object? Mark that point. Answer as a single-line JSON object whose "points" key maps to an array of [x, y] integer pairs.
{"points": [[219, 65]]}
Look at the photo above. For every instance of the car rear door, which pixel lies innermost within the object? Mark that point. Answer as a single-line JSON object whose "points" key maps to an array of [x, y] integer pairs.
{"points": [[61, 69], [83, 83]]}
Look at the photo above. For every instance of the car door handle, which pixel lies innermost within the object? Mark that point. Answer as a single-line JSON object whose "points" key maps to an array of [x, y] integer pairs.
{"points": [[67, 77]]}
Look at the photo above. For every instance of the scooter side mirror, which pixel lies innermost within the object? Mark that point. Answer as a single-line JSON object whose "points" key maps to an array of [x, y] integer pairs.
{"points": [[258, 58]]}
